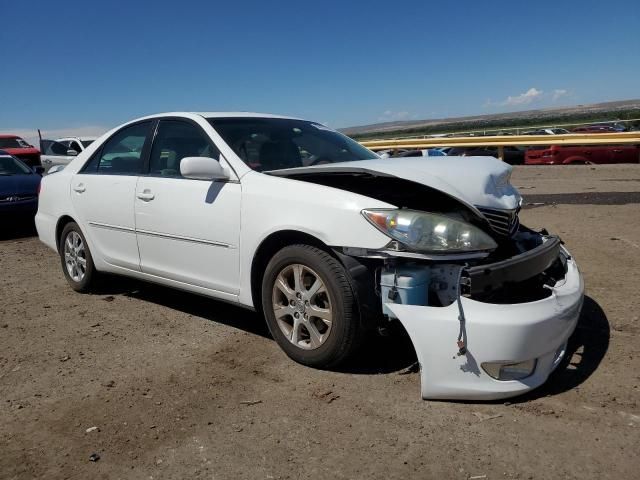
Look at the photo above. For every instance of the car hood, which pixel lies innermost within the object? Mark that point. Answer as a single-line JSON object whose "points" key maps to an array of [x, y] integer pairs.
{"points": [[475, 181], [20, 185]]}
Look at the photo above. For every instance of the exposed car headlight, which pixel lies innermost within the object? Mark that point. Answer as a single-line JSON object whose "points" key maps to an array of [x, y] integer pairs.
{"points": [[510, 371], [429, 232]]}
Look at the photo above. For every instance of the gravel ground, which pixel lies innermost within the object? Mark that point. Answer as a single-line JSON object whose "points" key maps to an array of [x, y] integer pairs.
{"points": [[179, 386]]}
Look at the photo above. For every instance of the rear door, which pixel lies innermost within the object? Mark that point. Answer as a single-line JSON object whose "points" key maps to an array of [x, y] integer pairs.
{"points": [[103, 194], [188, 230]]}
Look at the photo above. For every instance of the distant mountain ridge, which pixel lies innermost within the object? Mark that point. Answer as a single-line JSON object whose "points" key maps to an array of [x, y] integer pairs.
{"points": [[478, 121]]}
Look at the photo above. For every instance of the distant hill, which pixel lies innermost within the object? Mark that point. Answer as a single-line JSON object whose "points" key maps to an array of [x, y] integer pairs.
{"points": [[619, 110]]}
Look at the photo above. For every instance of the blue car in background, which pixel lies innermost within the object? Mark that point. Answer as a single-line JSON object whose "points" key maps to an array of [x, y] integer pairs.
{"points": [[19, 185]]}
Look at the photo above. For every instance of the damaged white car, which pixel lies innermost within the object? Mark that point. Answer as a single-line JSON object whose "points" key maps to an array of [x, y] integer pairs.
{"points": [[328, 240]]}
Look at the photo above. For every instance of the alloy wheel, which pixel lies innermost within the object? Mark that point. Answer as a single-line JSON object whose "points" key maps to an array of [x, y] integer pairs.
{"points": [[75, 258], [302, 306]]}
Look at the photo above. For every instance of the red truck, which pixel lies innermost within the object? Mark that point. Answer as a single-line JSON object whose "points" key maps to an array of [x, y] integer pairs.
{"points": [[579, 154], [16, 146]]}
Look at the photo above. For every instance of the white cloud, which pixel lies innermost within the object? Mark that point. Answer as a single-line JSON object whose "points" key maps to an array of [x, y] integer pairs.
{"points": [[559, 93], [531, 95], [31, 136]]}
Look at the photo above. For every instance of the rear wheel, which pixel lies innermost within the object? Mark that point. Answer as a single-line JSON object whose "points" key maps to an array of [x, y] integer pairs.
{"points": [[77, 263], [310, 307]]}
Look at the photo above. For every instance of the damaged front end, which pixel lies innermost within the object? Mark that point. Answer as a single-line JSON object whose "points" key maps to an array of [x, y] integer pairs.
{"points": [[484, 328], [488, 304]]}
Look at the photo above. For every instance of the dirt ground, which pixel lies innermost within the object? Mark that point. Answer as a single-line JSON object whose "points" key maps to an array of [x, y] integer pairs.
{"points": [[181, 386]]}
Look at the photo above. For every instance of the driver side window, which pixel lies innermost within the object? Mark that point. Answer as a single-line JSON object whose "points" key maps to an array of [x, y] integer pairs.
{"points": [[174, 141]]}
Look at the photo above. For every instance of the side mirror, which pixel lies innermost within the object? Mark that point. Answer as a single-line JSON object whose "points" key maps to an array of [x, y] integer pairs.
{"points": [[38, 169], [72, 153], [203, 168], [55, 168]]}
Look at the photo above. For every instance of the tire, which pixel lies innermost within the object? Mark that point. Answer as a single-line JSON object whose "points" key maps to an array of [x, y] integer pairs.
{"points": [[306, 338], [80, 272]]}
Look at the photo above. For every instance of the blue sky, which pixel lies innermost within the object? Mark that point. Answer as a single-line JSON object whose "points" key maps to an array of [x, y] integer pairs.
{"points": [[80, 66]]}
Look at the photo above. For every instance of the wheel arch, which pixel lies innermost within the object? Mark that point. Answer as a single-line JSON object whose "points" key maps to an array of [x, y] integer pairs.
{"points": [[62, 222], [361, 272], [268, 248]]}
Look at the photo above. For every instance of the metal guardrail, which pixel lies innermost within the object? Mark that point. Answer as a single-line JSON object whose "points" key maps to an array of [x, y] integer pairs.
{"points": [[613, 138]]}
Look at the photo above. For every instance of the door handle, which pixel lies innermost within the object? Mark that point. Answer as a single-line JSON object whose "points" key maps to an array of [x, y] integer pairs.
{"points": [[146, 196], [46, 160], [79, 188], [617, 151]]}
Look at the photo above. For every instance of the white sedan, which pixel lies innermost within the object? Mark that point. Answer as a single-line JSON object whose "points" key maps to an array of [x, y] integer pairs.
{"points": [[327, 240]]}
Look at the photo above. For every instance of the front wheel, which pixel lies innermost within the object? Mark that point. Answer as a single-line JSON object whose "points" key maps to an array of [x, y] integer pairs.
{"points": [[77, 263], [310, 307]]}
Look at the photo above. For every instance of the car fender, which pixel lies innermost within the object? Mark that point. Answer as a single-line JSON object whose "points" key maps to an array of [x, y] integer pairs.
{"points": [[333, 216]]}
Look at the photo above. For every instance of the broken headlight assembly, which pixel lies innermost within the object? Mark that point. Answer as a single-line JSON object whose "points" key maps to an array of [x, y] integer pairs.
{"points": [[429, 232]]}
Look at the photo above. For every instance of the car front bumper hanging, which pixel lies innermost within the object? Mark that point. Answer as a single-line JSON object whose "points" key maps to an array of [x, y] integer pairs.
{"points": [[512, 333]]}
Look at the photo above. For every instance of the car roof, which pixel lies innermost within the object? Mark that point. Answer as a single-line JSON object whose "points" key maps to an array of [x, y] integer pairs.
{"points": [[8, 136], [82, 139], [240, 115], [218, 115]]}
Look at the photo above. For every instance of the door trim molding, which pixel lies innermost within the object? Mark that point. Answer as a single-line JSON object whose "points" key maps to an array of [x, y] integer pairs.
{"points": [[160, 235], [183, 239], [112, 227]]}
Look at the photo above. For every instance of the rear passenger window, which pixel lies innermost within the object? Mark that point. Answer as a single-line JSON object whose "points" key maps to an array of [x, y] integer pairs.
{"points": [[174, 141], [122, 153]]}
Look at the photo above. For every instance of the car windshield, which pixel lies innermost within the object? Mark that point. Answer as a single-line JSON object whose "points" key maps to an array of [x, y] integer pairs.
{"points": [[86, 143], [274, 143], [12, 166], [13, 142]]}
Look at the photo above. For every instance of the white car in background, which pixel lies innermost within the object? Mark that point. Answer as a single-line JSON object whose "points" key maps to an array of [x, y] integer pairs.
{"points": [[222, 204], [61, 151], [548, 131]]}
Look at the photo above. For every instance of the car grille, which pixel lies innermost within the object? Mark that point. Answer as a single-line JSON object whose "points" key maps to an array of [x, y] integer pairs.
{"points": [[16, 198], [503, 222]]}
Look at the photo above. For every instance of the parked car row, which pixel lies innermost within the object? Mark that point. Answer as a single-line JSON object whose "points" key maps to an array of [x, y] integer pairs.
{"points": [[540, 155], [50, 153]]}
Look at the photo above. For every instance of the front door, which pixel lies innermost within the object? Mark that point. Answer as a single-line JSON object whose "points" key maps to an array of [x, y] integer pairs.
{"points": [[188, 230], [103, 191]]}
